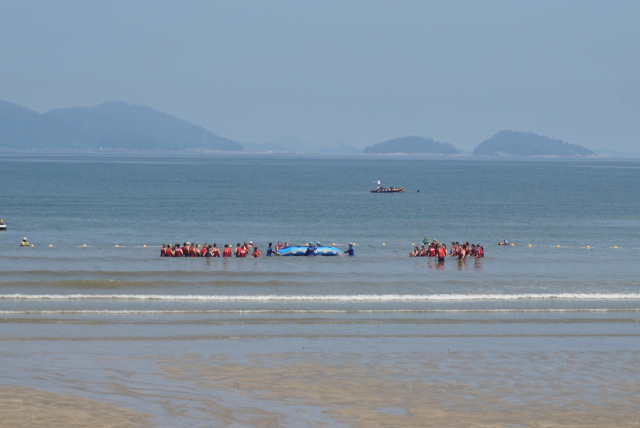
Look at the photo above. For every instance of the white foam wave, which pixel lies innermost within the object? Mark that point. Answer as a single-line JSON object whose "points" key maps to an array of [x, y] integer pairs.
{"points": [[328, 298], [304, 311]]}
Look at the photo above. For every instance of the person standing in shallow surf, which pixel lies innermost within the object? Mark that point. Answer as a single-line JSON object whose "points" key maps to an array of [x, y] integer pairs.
{"points": [[349, 251]]}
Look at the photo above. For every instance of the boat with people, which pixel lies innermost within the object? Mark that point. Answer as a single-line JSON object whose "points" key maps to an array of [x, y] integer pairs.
{"points": [[380, 189], [2, 225]]}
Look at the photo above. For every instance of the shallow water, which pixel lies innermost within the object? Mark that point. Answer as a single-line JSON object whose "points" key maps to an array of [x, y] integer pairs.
{"points": [[60, 291]]}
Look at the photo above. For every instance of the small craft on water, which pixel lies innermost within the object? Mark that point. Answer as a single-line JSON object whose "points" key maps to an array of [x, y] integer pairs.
{"points": [[309, 250], [380, 189], [2, 225]]}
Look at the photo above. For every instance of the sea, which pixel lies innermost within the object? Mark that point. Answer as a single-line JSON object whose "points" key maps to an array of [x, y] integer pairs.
{"points": [[93, 279]]}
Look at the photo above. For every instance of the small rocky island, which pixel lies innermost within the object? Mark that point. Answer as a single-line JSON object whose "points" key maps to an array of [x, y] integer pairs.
{"points": [[412, 145], [515, 143]]}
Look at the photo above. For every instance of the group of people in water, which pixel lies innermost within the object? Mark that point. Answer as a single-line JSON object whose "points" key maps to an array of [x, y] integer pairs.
{"points": [[440, 250], [189, 249]]}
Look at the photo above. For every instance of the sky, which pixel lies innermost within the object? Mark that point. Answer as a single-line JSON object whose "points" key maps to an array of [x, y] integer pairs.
{"points": [[359, 72]]}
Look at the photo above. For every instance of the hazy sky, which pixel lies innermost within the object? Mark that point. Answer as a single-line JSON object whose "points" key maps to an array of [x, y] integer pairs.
{"points": [[357, 71]]}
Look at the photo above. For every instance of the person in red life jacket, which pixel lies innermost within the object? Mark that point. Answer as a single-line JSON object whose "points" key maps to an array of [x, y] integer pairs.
{"points": [[246, 246], [462, 253], [472, 250], [432, 251], [243, 252], [441, 253], [167, 251], [205, 249], [214, 251], [163, 250], [422, 252], [279, 246], [178, 252], [238, 248], [191, 250], [184, 249], [256, 252], [226, 252], [480, 250]]}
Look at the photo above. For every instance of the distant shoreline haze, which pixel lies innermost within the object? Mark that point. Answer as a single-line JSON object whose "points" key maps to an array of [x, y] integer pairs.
{"points": [[117, 125]]}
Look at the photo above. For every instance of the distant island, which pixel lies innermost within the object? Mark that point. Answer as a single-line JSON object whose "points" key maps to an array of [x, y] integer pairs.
{"points": [[412, 145], [528, 144], [112, 125]]}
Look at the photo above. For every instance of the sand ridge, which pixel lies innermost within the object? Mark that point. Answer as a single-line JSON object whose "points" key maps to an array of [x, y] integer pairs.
{"points": [[29, 407]]}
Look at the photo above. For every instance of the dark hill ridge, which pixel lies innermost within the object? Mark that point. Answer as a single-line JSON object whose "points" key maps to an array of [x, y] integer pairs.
{"points": [[412, 145], [111, 125], [528, 144]]}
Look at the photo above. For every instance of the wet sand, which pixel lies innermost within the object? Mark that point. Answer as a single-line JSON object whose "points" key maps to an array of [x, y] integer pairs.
{"points": [[28, 407], [453, 382], [395, 390]]}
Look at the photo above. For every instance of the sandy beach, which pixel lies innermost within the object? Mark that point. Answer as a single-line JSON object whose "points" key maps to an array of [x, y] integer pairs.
{"points": [[28, 407], [322, 385]]}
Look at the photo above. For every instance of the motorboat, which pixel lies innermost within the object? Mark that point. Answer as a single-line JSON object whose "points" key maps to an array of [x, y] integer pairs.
{"points": [[380, 189]]}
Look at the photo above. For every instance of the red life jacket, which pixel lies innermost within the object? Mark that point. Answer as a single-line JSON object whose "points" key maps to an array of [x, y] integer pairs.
{"points": [[192, 252], [185, 250], [203, 252], [432, 252], [178, 252], [441, 253], [243, 252], [480, 252], [216, 252], [162, 252], [238, 251], [256, 253], [167, 252], [226, 252], [461, 254]]}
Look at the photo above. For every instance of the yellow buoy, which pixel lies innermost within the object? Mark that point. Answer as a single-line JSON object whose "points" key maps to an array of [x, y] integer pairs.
{"points": [[117, 245], [529, 244], [334, 243], [588, 246], [557, 246], [383, 243], [32, 245], [413, 244], [144, 246], [615, 247], [50, 245], [84, 245]]}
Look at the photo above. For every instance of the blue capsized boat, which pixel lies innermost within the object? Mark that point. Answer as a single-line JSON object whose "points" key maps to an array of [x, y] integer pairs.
{"points": [[302, 251]]}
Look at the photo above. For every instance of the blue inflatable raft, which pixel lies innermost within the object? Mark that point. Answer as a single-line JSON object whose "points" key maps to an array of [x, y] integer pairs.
{"points": [[302, 251]]}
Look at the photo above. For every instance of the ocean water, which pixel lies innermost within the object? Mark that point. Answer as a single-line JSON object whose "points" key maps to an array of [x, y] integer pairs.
{"points": [[554, 319], [75, 209]]}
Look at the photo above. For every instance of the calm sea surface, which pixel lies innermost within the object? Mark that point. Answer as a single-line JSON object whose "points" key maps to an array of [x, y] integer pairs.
{"points": [[61, 289]]}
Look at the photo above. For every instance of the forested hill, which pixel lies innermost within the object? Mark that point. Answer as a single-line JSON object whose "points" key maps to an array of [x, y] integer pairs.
{"points": [[111, 125], [412, 145], [528, 144]]}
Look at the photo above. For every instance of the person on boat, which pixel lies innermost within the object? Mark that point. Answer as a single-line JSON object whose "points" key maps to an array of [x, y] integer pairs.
{"points": [[24, 243], [256, 252], [505, 242], [442, 252], [279, 246], [269, 250], [349, 251], [425, 241], [311, 250]]}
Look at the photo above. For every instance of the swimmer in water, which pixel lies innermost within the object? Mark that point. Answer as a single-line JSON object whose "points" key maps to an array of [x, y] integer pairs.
{"points": [[415, 252], [24, 243]]}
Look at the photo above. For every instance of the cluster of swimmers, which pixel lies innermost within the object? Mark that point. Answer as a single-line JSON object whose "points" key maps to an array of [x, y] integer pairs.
{"points": [[189, 249], [440, 250]]}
